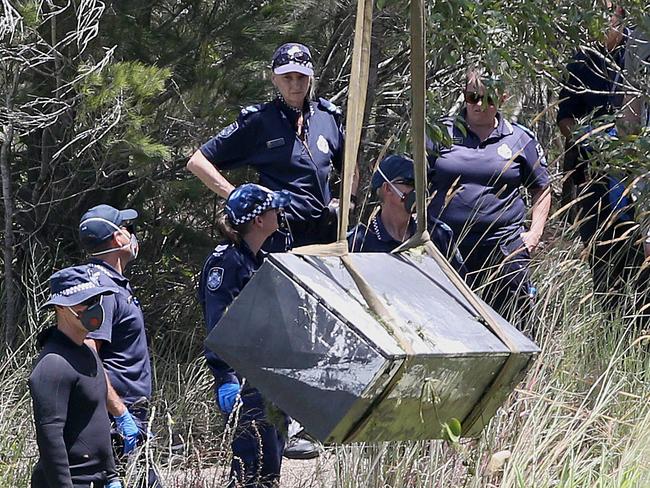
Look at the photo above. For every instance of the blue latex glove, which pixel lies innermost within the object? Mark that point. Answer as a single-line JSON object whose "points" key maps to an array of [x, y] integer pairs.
{"points": [[227, 396], [128, 429], [114, 484]]}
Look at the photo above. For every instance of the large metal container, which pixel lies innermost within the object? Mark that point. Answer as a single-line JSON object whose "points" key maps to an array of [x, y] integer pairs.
{"points": [[302, 334]]}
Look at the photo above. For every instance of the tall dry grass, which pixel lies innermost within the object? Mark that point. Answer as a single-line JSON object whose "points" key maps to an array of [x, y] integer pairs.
{"points": [[581, 417]]}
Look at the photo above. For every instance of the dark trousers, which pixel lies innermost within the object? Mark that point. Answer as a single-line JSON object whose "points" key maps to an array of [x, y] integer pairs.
{"points": [[500, 274], [39, 480], [257, 444], [140, 412], [303, 233]]}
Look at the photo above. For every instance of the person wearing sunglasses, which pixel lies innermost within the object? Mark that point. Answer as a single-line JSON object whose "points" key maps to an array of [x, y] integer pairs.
{"points": [[475, 187], [108, 236], [293, 142], [251, 214], [394, 184], [68, 388]]}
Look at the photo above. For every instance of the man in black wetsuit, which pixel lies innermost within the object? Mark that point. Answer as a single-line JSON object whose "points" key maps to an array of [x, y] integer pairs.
{"points": [[68, 389]]}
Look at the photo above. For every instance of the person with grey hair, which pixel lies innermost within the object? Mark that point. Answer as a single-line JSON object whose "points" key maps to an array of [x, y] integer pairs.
{"points": [[293, 142]]}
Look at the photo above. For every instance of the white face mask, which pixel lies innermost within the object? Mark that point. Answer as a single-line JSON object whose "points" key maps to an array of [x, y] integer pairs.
{"points": [[132, 245]]}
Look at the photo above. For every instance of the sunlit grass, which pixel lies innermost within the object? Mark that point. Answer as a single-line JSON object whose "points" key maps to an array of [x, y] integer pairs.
{"points": [[581, 417]]}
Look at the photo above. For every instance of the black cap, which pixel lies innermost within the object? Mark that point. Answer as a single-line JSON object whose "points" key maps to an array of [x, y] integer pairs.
{"points": [[393, 168], [99, 223]]}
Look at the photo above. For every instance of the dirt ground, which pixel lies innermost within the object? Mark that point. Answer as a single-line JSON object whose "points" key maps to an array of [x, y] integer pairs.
{"points": [[312, 473]]}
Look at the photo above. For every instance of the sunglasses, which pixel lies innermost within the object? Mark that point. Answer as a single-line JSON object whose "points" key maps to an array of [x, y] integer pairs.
{"points": [[475, 97], [92, 301], [129, 226], [297, 57], [402, 181]]}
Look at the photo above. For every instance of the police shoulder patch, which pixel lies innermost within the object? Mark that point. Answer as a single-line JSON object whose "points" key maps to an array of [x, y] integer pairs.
{"points": [[228, 130], [329, 106], [215, 278], [251, 109]]}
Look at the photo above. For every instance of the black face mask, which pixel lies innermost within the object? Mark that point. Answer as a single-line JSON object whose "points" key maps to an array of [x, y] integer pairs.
{"points": [[92, 317], [409, 201]]}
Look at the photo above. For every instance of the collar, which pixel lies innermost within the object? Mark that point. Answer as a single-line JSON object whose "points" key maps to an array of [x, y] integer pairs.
{"points": [[291, 113], [247, 251], [503, 128], [379, 229], [107, 269]]}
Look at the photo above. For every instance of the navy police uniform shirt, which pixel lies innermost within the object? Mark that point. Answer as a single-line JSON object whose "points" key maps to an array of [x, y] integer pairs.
{"points": [[124, 352], [375, 238], [225, 273], [265, 138], [475, 186], [591, 85]]}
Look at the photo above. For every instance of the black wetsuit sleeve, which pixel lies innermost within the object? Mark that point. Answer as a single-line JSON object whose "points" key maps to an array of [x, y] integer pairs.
{"points": [[50, 385]]}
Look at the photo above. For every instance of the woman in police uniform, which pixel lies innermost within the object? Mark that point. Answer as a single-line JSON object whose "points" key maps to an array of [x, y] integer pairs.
{"points": [[476, 190], [250, 216], [293, 142]]}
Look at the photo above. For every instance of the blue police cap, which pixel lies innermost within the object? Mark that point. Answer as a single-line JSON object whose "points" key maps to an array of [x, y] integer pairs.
{"points": [[95, 225], [74, 285], [395, 167], [292, 58], [250, 200]]}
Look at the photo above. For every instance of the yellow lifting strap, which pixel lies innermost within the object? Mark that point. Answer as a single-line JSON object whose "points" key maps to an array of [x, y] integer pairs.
{"points": [[354, 122], [418, 129]]}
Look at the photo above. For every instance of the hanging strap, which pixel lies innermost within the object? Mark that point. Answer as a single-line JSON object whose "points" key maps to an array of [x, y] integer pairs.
{"points": [[421, 237]]}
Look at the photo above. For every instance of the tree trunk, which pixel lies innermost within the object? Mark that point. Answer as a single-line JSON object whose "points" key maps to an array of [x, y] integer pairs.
{"points": [[11, 293]]}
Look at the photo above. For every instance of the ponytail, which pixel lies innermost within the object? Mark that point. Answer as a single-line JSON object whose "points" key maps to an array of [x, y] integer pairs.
{"points": [[232, 233]]}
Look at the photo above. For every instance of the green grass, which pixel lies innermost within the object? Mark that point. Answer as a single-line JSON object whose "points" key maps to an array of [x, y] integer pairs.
{"points": [[581, 417]]}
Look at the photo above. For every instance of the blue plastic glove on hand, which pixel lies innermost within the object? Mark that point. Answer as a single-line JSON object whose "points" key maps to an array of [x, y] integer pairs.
{"points": [[128, 429], [227, 396], [114, 484]]}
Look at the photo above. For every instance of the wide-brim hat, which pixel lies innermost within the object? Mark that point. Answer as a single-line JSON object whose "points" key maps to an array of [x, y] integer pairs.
{"points": [[74, 285]]}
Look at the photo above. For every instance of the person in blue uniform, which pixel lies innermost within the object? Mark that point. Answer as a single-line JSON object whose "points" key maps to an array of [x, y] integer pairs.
{"points": [[476, 190], [603, 214], [250, 216], [293, 142], [108, 235], [394, 184], [68, 388]]}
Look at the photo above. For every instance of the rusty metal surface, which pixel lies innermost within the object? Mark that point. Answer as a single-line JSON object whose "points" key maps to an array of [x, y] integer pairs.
{"points": [[301, 333]]}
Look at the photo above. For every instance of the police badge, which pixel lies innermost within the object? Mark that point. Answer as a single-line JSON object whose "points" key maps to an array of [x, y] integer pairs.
{"points": [[504, 151], [215, 278], [322, 144]]}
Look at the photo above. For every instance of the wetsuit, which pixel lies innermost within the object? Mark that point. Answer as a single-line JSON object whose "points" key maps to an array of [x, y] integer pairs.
{"points": [[68, 389]]}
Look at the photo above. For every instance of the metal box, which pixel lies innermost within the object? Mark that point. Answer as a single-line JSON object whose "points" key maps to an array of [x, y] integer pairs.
{"points": [[302, 334]]}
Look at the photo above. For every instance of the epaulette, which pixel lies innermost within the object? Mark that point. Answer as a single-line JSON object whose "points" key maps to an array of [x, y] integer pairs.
{"points": [[329, 107], [220, 249], [251, 109], [525, 129]]}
